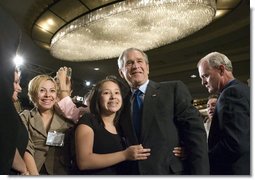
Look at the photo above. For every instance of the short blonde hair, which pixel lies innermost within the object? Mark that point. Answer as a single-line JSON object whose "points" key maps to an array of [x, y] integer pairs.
{"points": [[33, 86]]}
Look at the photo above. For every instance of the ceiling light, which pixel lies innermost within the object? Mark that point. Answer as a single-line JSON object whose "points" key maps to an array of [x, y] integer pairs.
{"points": [[96, 69], [193, 76], [18, 60], [50, 22], [146, 24], [87, 83], [221, 13]]}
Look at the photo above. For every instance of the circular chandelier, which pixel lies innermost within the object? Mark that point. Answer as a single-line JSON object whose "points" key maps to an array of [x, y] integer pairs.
{"points": [[146, 24]]}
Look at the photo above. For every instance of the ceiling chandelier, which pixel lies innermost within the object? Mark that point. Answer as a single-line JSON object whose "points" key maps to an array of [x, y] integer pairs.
{"points": [[146, 24]]}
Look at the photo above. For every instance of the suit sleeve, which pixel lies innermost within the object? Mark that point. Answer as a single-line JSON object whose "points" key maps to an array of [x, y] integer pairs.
{"points": [[25, 116], [233, 112], [68, 109], [191, 130]]}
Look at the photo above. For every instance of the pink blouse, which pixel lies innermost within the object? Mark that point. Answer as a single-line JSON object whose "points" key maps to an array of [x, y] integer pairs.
{"points": [[69, 110]]}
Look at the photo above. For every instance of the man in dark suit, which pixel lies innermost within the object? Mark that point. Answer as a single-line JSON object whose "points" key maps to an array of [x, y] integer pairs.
{"points": [[9, 38], [168, 120], [229, 136]]}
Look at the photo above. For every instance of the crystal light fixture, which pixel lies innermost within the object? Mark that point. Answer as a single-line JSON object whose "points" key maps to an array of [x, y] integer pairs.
{"points": [[146, 24]]}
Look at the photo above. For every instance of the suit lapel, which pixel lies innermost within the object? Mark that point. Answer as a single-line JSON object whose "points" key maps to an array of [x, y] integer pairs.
{"points": [[57, 123], [149, 104], [36, 122], [127, 123]]}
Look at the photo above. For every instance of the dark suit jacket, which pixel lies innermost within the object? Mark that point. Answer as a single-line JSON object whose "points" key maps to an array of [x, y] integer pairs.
{"points": [[9, 36], [229, 137], [169, 120]]}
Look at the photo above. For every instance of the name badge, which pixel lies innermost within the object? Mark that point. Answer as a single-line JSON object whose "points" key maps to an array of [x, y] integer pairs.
{"points": [[55, 138]]}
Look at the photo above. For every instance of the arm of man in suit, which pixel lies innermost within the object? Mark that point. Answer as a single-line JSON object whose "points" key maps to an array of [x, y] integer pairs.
{"points": [[192, 132], [234, 119]]}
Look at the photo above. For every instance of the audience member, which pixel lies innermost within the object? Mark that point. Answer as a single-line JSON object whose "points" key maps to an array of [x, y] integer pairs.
{"points": [[99, 146], [229, 136], [211, 104], [45, 152], [17, 90], [168, 120], [65, 104], [9, 123], [18, 165]]}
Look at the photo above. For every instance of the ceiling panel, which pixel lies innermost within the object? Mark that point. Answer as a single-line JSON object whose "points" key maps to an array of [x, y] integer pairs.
{"points": [[50, 22], [41, 35], [68, 10], [96, 3]]}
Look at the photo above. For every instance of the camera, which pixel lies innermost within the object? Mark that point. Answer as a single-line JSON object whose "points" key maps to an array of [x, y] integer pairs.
{"points": [[80, 101]]}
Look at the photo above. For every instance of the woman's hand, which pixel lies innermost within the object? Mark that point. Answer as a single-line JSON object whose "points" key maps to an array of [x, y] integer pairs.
{"points": [[179, 152], [64, 82], [137, 152]]}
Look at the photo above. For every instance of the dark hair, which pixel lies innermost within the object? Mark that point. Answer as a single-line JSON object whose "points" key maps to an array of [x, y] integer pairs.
{"points": [[213, 96], [95, 99]]}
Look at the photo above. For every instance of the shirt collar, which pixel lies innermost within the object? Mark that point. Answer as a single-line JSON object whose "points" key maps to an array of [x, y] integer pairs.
{"points": [[141, 88]]}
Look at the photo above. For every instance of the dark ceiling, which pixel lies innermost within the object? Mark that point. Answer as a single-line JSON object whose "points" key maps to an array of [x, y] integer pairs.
{"points": [[177, 61]]}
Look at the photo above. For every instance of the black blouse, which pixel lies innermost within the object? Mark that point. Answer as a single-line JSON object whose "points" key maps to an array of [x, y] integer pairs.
{"points": [[104, 142]]}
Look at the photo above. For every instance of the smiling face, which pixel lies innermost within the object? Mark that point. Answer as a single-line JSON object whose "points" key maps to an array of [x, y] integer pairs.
{"points": [[135, 69], [110, 98], [46, 95]]}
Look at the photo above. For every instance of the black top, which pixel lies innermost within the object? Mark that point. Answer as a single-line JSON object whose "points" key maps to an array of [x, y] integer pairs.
{"points": [[104, 142], [9, 39], [21, 142]]}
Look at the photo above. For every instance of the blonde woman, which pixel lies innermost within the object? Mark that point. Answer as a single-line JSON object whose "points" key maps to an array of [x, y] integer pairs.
{"points": [[44, 153]]}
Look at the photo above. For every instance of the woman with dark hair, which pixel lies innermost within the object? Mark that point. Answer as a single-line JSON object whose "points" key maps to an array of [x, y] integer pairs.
{"points": [[9, 124], [100, 149], [18, 165], [17, 89]]}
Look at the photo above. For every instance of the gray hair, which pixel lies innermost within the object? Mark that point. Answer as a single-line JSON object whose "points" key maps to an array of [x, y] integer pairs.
{"points": [[215, 59], [124, 54]]}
